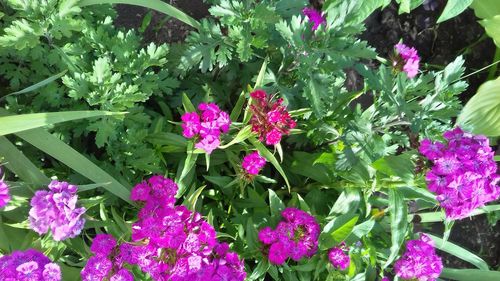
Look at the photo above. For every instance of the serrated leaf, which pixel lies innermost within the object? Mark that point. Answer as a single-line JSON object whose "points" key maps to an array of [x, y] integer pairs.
{"points": [[481, 115]]}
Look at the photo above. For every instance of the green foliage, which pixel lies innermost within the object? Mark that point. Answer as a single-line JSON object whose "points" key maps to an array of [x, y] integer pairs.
{"points": [[453, 8]]}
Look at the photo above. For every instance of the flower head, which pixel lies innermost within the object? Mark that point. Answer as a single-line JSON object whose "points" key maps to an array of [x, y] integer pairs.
{"points": [[103, 244], [57, 210], [463, 174], [408, 59], [270, 119], [253, 163], [419, 261], [4, 194], [208, 125], [295, 237], [339, 258], [28, 265], [314, 16]]}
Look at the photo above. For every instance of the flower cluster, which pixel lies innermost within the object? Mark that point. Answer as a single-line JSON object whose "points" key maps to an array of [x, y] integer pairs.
{"points": [[270, 118], [4, 194], [295, 237], [170, 242], [253, 163], [208, 125], [104, 265], [314, 16], [408, 60], [339, 258], [419, 262], [29, 265], [464, 172], [56, 210]]}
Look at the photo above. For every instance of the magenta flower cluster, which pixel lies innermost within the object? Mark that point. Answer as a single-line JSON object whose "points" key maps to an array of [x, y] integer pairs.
{"points": [[253, 163], [419, 262], [4, 194], [209, 124], [29, 265], [314, 16], [105, 265], [464, 172], [168, 242], [410, 59], [270, 119], [339, 257], [295, 237], [56, 210]]}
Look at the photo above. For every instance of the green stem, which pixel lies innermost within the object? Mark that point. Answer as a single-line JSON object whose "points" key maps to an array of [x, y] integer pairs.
{"points": [[493, 70], [477, 71]]}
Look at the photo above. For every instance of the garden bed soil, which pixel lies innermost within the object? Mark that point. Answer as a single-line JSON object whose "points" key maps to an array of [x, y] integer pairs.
{"points": [[438, 44]]}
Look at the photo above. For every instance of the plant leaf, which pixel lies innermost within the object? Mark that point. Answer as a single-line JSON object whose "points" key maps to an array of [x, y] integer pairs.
{"points": [[270, 157], [399, 223], [469, 274], [453, 8], [459, 252]]}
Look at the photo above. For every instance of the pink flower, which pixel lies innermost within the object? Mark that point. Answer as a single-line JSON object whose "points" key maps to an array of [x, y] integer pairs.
{"points": [[209, 143], [270, 119], [273, 137], [314, 16], [4, 194], [410, 59], [420, 261], [190, 124], [253, 163], [338, 258]]}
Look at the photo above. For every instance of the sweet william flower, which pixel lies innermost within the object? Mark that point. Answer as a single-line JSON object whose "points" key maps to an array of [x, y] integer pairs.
{"points": [[56, 210], [4, 194], [408, 60], [103, 244], [190, 124], [253, 163], [314, 16], [28, 265], [270, 119], [338, 258], [420, 261]]}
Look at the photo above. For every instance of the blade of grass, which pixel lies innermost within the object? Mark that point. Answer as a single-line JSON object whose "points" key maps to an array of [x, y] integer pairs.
{"points": [[150, 4], [37, 85], [56, 148], [17, 123]]}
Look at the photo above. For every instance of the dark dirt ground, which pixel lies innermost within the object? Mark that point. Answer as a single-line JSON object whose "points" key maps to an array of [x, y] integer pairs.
{"points": [[438, 44]]}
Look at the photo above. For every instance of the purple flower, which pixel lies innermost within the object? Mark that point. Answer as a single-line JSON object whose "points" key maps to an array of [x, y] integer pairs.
{"points": [[4, 194], [103, 244], [464, 174], [295, 237], [122, 275], [97, 268], [28, 265], [314, 16], [56, 210], [209, 124], [253, 163], [338, 258], [419, 261], [410, 59], [190, 124]]}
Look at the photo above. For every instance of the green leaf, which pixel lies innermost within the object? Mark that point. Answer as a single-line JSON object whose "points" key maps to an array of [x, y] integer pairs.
{"points": [[191, 200], [37, 85], [270, 157], [399, 223], [400, 166], [440, 216], [347, 201], [275, 204], [242, 135], [337, 230], [359, 231], [486, 8], [492, 26], [481, 115], [17, 123], [469, 274], [459, 252], [20, 164], [453, 8], [74, 160], [187, 165], [150, 4], [238, 107], [188, 105], [404, 6], [261, 269], [251, 236]]}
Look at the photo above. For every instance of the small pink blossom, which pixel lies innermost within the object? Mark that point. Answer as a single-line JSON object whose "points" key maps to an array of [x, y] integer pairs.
{"points": [[253, 163], [190, 124], [314, 16], [339, 258], [410, 59]]}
